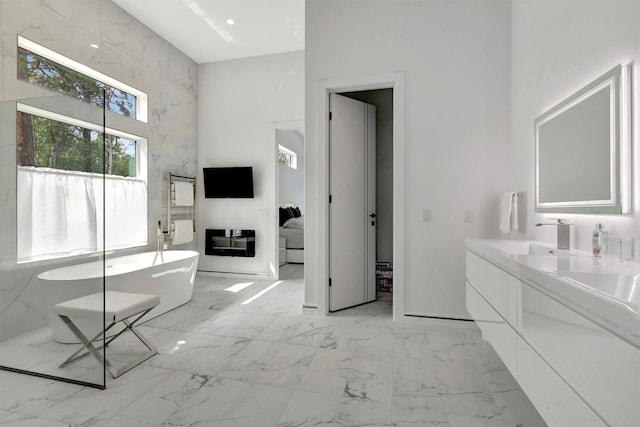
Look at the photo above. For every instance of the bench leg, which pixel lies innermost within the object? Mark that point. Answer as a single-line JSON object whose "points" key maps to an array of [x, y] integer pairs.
{"points": [[91, 349]]}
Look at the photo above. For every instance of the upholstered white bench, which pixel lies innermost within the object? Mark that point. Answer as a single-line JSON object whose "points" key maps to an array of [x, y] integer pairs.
{"points": [[113, 307]]}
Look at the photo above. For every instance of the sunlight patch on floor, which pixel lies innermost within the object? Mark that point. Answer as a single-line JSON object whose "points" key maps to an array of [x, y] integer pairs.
{"points": [[262, 292]]}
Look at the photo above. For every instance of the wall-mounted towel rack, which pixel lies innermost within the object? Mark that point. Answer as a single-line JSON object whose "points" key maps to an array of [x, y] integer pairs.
{"points": [[181, 211]]}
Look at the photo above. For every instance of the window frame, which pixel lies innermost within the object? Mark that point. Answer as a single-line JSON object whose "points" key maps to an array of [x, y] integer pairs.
{"points": [[141, 97], [293, 156], [141, 142]]}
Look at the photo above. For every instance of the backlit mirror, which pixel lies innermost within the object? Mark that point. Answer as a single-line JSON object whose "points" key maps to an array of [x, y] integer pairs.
{"points": [[582, 150]]}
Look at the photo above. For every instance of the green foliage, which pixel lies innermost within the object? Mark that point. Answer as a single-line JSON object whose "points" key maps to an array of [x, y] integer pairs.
{"points": [[60, 145], [51, 75], [284, 158]]}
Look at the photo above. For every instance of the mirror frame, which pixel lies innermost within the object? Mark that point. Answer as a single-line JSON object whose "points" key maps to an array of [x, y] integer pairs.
{"points": [[616, 81]]}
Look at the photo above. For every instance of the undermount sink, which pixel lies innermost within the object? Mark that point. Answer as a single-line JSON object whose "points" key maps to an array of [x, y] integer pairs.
{"points": [[524, 247]]}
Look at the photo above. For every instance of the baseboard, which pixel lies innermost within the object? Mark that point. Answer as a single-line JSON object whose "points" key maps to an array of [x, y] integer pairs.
{"points": [[439, 316], [310, 310], [234, 275]]}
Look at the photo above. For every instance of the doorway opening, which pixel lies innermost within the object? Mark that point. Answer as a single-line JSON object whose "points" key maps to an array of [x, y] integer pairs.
{"points": [[321, 274], [370, 160], [289, 149]]}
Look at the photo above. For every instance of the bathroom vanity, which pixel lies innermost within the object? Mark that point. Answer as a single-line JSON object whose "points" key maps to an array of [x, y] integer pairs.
{"points": [[566, 325]]}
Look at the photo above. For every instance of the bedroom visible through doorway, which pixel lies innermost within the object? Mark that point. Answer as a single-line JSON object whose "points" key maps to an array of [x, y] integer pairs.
{"points": [[290, 200]]}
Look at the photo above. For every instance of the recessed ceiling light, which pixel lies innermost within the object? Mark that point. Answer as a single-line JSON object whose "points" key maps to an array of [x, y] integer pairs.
{"points": [[230, 21], [93, 45]]}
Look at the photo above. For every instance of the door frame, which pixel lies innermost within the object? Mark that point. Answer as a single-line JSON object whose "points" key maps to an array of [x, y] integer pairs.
{"points": [[274, 266], [393, 81]]}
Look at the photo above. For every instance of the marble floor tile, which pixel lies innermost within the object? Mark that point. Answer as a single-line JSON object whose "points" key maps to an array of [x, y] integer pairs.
{"points": [[474, 404], [370, 380], [457, 378], [217, 354], [222, 363], [423, 410], [12, 419], [358, 411], [237, 324], [327, 373], [281, 329], [262, 405], [456, 420], [163, 399], [414, 377], [309, 409], [79, 405], [209, 404], [288, 366], [251, 361]]}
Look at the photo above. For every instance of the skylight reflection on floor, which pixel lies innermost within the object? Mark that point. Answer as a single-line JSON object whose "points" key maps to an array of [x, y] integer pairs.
{"points": [[239, 286], [262, 292]]}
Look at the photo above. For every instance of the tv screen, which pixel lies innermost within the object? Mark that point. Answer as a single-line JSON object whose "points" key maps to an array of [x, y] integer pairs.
{"points": [[228, 182]]}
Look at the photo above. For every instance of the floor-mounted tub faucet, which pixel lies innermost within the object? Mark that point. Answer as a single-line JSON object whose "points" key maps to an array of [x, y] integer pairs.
{"points": [[160, 236], [564, 232]]}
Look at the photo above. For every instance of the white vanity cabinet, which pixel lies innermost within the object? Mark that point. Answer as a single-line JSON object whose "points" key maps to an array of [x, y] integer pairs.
{"points": [[556, 402], [574, 371], [491, 295], [603, 369]]}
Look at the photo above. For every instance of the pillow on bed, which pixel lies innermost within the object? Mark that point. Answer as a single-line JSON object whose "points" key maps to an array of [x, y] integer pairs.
{"points": [[285, 215], [295, 223], [296, 212]]}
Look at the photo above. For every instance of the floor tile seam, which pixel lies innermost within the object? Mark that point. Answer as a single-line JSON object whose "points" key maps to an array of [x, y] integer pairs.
{"points": [[246, 392], [38, 417], [111, 386], [500, 415]]}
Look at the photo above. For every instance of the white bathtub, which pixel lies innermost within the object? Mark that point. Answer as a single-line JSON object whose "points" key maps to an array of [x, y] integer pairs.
{"points": [[173, 280]]}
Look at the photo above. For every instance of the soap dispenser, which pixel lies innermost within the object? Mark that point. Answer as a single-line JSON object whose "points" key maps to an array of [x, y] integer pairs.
{"points": [[598, 239]]}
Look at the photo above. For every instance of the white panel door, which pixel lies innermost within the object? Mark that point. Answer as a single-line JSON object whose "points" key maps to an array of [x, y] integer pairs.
{"points": [[370, 155], [351, 242]]}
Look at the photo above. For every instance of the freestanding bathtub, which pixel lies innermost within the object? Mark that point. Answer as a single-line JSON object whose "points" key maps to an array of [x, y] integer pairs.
{"points": [[143, 273]]}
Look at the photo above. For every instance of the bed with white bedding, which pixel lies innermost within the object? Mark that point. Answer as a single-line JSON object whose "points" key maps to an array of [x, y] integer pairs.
{"points": [[292, 230]]}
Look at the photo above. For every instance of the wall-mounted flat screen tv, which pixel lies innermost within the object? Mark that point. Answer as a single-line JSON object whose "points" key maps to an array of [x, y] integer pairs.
{"points": [[228, 182]]}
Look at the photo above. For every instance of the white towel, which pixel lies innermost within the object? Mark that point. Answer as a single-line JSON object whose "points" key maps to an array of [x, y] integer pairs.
{"points": [[182, 193], [181, 231], [509, 212]]}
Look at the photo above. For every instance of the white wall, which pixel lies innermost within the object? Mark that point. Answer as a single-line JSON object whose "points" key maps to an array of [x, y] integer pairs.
{"points": [[240, 103], [455, 55], [558, 47], [129, 52], [291, 181]]}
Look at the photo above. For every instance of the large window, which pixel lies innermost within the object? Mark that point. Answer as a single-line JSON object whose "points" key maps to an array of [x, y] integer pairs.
{"points": [[81, 187], [48, 143], [43, 67]]}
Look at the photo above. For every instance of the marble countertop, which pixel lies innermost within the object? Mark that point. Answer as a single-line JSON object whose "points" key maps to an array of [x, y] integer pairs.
{"points": [[603, 290]]}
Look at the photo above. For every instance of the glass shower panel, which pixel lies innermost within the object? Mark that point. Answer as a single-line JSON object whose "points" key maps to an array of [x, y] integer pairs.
{"points": [[52, 251]]}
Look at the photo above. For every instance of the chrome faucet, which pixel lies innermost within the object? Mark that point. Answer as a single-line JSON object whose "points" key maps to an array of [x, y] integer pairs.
{"points": [[564, 232], [160, 235]]}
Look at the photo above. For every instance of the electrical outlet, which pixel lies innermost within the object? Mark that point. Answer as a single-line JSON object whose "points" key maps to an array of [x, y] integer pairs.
{"points": [[426, 215], [468, 216]]}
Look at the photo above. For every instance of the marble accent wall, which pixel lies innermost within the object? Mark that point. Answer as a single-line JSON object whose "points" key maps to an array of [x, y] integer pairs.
{"points": [[129, 52]]}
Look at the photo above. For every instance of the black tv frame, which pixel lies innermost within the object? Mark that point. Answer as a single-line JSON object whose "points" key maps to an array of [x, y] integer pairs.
{"points": [[228, 182]]}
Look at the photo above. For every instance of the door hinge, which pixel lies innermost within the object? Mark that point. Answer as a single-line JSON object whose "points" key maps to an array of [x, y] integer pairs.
{"points": [[329, 281], [330, 115], [330, 198]]}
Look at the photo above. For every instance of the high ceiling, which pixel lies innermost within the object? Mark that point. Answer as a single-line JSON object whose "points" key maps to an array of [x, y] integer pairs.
{"points": [[203, 31]]}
